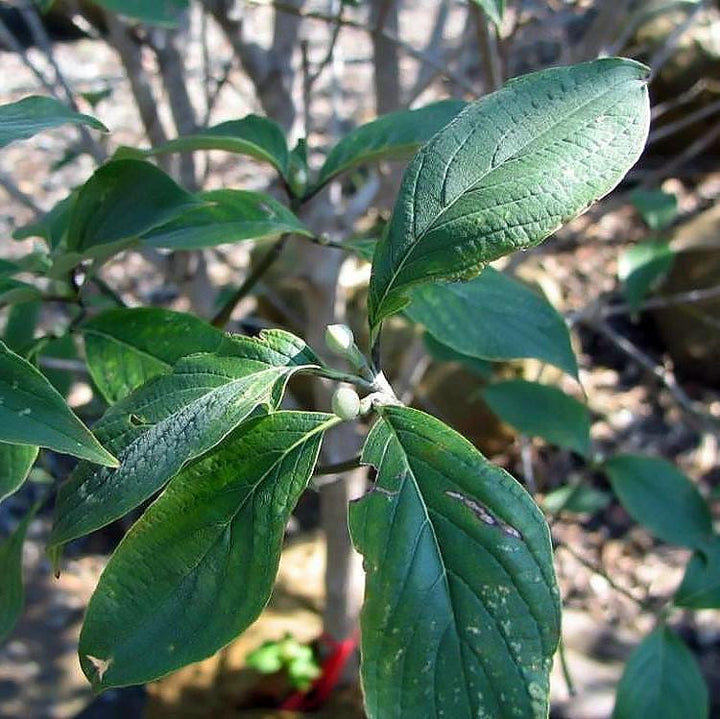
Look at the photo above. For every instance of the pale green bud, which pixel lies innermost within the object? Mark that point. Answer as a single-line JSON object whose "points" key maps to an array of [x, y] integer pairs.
{"points": [[346, 403], [339, 339]]}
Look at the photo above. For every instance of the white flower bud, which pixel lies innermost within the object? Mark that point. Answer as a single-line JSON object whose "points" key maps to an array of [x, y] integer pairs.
{"points": [[346, 403], [339, 339]]}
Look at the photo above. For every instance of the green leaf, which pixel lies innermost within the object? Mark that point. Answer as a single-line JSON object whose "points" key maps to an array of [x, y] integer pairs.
{"points": [[658, 496], [658, 208], [20, 326], [127, 347], [661, 680], [390, 137], [12, 592], [33, 413], [25, 118], [494, 317], [16, 460], [642, 267], [110, 206], [13, 291], [227, 216], [462, 612], [494, 9], [199, 566], [53, 226], [577, 498], [507, 172], [256, 136], [541, 411], [158, 12], [700, 588], [437, 350], [172, 420]]}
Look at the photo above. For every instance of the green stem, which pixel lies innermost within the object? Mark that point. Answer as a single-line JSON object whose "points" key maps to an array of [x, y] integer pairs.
{"points": [[338, 467]]}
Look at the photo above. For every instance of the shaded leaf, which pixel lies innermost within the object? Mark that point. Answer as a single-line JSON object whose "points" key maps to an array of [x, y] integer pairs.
{"points": [[172, 420], [443, 353], [20, 326], [157, 12], [661, 680], [227, 216], [494, 317], [658, 208], [199, 566], [33, 413], [662, 499], [577, 498], [700, 588], [25, 118], [110, 208], [461, 613], [12, 592], [642, 267], [256, 136], [507, 172], [16, 460], [396, 135], [53, 226], [539, 410], [13, 291], [127, 347]]}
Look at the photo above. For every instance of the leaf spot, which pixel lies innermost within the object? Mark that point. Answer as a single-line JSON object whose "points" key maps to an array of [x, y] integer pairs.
{"points": [[484, 515], [101, 665]]}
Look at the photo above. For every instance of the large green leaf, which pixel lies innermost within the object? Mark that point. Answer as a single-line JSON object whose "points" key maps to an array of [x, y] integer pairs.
{"points": [[122, 200], [12, 593], [661, 680], [462, 612], [256, 136], [53, 226], [172, 420], [494, 9], [494, 317], [20, 327], [127, 347], [508, 171], [155, 12], [390, 137], [658, 496], [541, 411], [16, 461], [658, 208], [25, 118], [700, 588], [13, 291], [642, 267], [33, 413], [228, 216], [199, 566]]}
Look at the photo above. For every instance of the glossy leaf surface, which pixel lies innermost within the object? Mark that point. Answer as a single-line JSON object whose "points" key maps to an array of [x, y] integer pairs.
{"points": [[700, 587], [172, 420], [255, 136], [156, 12], [122, 200], [461, 615], [658, 496], [33, 413], [661, 680], [25, 118], [539, 410], [393, 136], [199, 566], [228, 216], [127, 347], [508, 171], [494, 317], [16, 460]]}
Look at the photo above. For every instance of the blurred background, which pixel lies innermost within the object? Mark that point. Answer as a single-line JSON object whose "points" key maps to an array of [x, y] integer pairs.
{"points": [[637, 278]]}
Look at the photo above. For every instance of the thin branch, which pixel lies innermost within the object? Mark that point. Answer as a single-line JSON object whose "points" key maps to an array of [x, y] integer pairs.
{"points": [[686, 121], [654, 303], [487, 42], [565, 668], [338, 467], [409, 49], [315, 75], [10, 41], [64, 365], [17, 194], [270, 258]]}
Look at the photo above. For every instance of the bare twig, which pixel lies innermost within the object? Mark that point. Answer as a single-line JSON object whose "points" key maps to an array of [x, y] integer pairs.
{"points": [[272, 255], [17, 194], [487, 42], [338, 467], [64, 365], [686, 121], [10, 41]]}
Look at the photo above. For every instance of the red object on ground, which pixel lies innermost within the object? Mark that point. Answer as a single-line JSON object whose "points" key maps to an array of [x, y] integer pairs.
{"points": [[332, 669]]}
